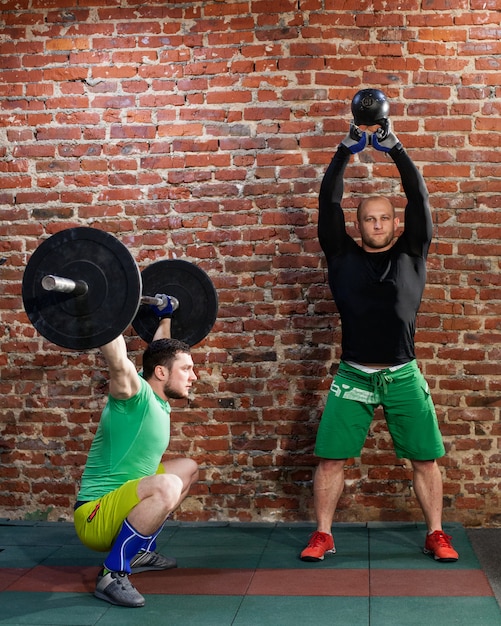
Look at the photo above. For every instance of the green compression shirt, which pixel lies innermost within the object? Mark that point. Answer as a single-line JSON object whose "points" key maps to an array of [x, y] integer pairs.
{"points": [[129, 443]]}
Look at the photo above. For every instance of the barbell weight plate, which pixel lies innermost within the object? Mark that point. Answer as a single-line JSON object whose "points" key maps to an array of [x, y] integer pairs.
{"points": [[105, 311], [198, 301]]}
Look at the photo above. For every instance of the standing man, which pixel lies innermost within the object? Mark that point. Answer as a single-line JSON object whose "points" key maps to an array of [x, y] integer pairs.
{"points": [[377, 287], [126, 492]]}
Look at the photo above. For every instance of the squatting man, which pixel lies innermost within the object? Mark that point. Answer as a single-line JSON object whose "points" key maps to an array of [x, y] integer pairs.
{"points": [[126, 492]]}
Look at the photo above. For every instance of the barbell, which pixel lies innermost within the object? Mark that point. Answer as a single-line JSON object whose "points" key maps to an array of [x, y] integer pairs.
{"points": [[82, 288]]}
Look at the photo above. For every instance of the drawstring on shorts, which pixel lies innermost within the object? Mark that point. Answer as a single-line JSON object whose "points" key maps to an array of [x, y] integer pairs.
{"points": [[381, 381]]}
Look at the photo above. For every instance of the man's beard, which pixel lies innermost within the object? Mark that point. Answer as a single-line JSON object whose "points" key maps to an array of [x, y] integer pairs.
{"points": [[376, 244], [173, 395]]}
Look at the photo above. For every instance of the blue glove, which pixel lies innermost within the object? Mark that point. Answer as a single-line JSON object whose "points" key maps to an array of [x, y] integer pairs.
{"points": [[168, 307], [355, 140], [384, 139]]}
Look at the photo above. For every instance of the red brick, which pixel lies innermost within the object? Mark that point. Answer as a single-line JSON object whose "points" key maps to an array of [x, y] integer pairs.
{"points": [[209, 143]]}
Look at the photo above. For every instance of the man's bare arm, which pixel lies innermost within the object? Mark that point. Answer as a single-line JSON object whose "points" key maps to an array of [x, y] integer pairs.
{"points": [[163, 330], [124, 379]]}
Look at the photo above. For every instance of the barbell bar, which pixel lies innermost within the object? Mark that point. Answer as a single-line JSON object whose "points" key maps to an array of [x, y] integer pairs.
{"points": [[82, 288]]}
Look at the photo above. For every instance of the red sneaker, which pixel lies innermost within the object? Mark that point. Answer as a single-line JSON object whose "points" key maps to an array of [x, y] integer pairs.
{"points": [[319, 545], [438, 545]]}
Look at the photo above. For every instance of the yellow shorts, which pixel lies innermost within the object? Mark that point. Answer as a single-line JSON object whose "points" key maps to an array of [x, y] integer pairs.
{"points": [[98, 522]]}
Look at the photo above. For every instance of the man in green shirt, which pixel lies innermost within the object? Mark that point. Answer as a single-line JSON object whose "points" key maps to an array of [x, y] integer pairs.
{"points": [[127, 492]]}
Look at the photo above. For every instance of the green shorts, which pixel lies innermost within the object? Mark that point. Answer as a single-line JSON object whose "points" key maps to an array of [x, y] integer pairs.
{"points": [[408, 409], [98, 522]]}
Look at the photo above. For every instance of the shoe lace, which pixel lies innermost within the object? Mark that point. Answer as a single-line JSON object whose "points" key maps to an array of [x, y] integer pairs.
{"points": [[123, 580], [442, 539], [316, 540]]}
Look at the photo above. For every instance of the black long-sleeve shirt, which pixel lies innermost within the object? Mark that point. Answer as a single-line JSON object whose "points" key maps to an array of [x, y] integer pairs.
{"points": [[377, 294]]}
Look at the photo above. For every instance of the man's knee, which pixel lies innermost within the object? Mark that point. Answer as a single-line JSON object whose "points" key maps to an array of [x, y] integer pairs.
{"points": [[330, 468], [192, 469], [166, 488], [188, 466], [332, 465], [423, 466], [186, 469]]}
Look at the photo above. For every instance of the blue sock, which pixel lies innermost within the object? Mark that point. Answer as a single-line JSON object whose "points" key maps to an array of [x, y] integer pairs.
{"points": [[126, 546], [152, 544]]}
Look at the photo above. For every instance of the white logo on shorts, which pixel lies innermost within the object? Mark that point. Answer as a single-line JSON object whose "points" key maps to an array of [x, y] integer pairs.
{"points": [[353, 393]]}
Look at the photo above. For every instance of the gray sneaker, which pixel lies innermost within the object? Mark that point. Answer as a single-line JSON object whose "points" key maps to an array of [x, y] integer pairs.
{"points": [[116, 588], [151, 562]]}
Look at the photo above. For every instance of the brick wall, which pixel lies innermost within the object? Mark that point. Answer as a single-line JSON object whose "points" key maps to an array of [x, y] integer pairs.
{"points": [[201, 130]]}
